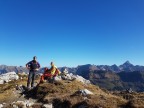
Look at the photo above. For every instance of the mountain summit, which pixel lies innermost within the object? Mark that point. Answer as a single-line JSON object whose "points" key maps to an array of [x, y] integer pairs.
{"points": [[127, 66], [127, 63]]}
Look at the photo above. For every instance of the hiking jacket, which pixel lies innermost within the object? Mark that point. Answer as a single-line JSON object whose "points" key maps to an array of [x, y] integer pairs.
{"points": [[33, 65], [54, 69]]}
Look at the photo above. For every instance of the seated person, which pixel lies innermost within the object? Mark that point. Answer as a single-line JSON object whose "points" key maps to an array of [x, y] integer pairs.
{"points": [[54, 72], [50, 74], [45, 75]]}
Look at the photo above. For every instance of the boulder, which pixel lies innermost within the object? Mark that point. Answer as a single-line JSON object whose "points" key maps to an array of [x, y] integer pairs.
{"points": [[22, 104], [47, 106], [65, 71], [58, 78], [87, 92], [1, 81], [1, 106], [70, 76], [81, 79], [8, 77], [66, 77], [84, 92]]}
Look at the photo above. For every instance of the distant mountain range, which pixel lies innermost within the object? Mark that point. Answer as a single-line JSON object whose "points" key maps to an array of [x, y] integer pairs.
{"points": [[116, 81], [127, 66], [5, 69], [112, 77]]}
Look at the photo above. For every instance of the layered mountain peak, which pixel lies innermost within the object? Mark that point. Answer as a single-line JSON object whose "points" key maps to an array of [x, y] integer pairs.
{"points": [[127, 63], [87, 67], [127, 66]]}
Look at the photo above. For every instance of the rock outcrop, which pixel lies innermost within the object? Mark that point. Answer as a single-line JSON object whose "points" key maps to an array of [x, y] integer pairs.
{"points": [[70, 76], [4, 78]]}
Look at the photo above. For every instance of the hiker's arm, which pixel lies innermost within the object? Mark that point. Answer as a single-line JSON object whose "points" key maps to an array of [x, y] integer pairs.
{"points": [[59, 72], [39, 65], [27, 65]]}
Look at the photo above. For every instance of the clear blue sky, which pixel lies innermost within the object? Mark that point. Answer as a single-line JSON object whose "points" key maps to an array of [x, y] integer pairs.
{"points": [[72, 32]]}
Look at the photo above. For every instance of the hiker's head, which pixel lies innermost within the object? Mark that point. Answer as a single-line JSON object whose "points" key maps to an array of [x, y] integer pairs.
{"points": [[35, 58], [52, 63]]}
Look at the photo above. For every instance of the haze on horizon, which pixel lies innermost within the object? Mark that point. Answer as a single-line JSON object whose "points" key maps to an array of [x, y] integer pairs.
{"points": [[71, 33]]}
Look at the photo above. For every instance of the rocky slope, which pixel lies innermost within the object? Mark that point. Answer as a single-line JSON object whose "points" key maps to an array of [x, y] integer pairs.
{"points": [[65, 94], [116, 81]]}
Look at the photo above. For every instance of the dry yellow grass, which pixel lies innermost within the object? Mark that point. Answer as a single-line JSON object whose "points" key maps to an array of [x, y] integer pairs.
{"points": [[7, 93], [63, 94]]}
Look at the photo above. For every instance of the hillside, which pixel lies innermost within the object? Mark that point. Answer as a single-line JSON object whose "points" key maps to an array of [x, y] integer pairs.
{"points": [[61, 94], [66, 94], [116, 81]]}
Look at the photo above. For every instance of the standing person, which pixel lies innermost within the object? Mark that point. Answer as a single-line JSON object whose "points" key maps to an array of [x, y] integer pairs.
{"points": [[33, 67]]}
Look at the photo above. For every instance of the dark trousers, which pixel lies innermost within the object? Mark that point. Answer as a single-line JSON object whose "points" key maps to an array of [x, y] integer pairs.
{"points": [[31, 78]]}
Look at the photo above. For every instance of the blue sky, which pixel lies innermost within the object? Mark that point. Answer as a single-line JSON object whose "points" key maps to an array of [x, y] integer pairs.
{"points": [[72, 32]]}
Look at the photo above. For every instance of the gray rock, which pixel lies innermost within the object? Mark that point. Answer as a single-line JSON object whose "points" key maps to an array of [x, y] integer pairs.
{"points": [[1, 81], [58, 78], [22, 104], [70, 76], [4, 78], [47, 106], [1, 106], [84, 92], [4, 103], [65, 71], [14, 106]]}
